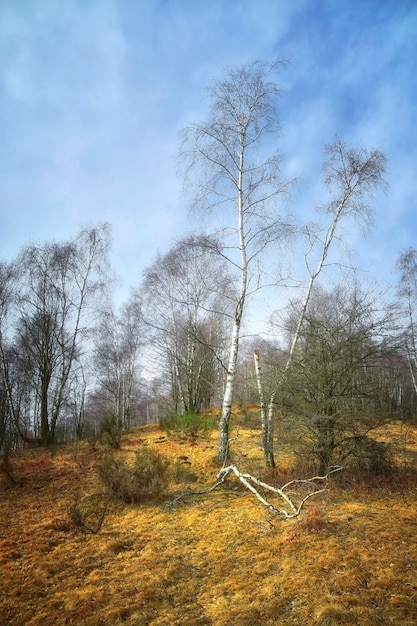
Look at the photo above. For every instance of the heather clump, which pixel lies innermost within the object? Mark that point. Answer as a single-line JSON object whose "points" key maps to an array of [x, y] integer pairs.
{"points": [[145, 479]]}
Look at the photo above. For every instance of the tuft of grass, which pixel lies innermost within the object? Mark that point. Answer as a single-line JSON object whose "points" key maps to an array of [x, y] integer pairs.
{"points": [[182, 472], [334, 614]]}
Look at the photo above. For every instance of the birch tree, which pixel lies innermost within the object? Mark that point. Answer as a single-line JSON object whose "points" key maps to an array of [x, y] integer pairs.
{"points": [[407, 291], [116, 348], [352, 176], [55, 286], [185, 306], [7, 405], [228, 170]]}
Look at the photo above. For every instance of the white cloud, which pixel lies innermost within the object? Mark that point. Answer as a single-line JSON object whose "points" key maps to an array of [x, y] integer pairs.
{"points": [[93, 95]]}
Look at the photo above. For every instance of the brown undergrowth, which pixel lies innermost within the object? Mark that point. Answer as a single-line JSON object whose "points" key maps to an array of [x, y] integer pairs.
{"points": [[215, 559]]}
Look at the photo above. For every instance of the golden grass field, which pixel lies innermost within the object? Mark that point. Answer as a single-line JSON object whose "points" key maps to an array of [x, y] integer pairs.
{"points": [[219, 558]]}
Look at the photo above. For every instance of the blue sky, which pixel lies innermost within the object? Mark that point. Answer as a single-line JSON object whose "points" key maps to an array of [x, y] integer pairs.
{"points": [[93, 95]]}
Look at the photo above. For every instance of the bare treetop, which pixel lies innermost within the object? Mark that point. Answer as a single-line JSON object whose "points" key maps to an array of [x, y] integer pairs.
{"points": [[353, 175], [246, 100], [222, 155]]}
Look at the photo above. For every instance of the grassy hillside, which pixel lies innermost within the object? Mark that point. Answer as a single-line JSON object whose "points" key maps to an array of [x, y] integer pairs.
{"points": [[203, 559]]}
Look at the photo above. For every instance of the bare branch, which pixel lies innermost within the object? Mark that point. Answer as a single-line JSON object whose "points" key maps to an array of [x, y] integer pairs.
{"points": [[247, 480]]}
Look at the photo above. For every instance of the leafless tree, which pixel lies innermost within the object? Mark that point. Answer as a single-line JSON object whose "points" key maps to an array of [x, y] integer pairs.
{"points": [[55, 285], [116, 349], [229, 172], [7, 294], [186, 301]]}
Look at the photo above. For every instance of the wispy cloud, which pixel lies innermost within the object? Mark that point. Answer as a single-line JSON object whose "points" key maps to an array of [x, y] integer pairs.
{"points": [[94, 93]]}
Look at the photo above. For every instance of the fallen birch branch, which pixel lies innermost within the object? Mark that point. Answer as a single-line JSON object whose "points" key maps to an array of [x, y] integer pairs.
{"points": [[249, 481]]}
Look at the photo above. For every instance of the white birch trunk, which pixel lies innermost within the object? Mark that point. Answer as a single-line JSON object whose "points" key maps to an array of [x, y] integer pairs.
{"points": [[228, 394], [412, 373], [234, 349], [179, 383], [267, 426], [411, 350]]}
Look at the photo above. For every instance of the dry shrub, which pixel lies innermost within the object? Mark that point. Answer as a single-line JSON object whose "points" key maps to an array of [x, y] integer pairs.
{"points": [[61, 525], [121, 545], [314, 519], [278, 476], [111, 432], [145, 480], [370, 458], [304, 467], [182, 472], [88, 511]]}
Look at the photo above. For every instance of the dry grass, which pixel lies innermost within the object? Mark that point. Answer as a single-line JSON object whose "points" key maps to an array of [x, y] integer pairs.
{"points": [[216, 559]]}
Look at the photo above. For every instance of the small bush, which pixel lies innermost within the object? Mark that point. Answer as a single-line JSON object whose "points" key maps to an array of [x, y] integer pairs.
{"points": [[88, 512], [144, 480], [314, 519], [188, 425], [370, 458], [182, 472], [361, 455], [110, 432]]}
